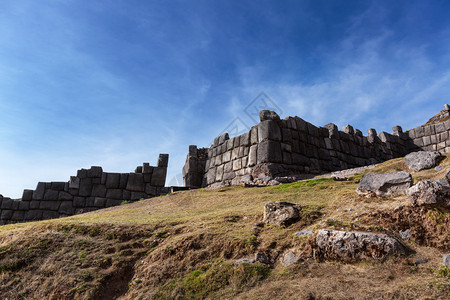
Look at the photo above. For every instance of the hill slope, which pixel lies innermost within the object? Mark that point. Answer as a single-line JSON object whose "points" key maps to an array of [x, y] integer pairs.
{"points": [[185, 245]]}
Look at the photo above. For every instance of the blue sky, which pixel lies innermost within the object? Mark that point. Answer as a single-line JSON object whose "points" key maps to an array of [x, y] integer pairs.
{"points": [[115, 83]]}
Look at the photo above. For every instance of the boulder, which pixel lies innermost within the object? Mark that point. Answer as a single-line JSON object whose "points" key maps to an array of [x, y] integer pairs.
{"points": [[289, 257], [384, 184], [421, 160], [429, 193], [353, 245], [268, 115], [281, 213]]}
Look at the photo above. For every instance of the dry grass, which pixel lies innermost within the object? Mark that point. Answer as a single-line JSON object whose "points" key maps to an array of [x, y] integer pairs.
{"points": [[184, 245]]}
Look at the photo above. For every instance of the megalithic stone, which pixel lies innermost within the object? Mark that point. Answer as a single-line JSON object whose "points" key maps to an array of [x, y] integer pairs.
{"points": [[163, 160]]}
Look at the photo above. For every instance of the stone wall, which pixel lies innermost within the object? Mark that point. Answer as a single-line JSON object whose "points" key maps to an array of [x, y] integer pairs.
{"points": [[194, 167], [292, 146], [89, 190]]}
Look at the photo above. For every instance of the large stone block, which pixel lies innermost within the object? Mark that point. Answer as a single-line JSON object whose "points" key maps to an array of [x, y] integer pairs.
{"points": [[50, 205], [51, 195], [27, 195], [163, 160], [219, 173], [6, 214], [38, 194], [24, 205], [74, 182], [85, 187], [269, 130], [158, 178], [95, 172], [99, 202], [18, 215], [226, 157], [7, 203], [112, 180], [301, 124], [254, 135], [253, 156], [114, 194], [148, 170], [65, 196], [34, 204], [79, 202], [99, 191], [58, 186], [136, 181], [150, 190], [269, 151], [66, 208], [211, 176], [123, 180], [245, 139], [33, 215]]}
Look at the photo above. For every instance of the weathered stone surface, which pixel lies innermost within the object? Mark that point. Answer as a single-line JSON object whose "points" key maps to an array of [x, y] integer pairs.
{"points": [[305, 232], [74, 182], [446, 260], [269, 152], [38, 194], [123, 180], [66, 207], [99, 202], [421, 160], [58, 186], [289, 257], [429, 193], [269, 130], [114, 194], [33, 215], [136, 182], [85, 187], [95, 172], [281, 213], [268, 115], [383, 184], [51, 195], [24, 205], [64, 196], [112, 180], [6, 214], [158, 177], [163, 160], [98, 191], [79, 202], [353, 245], [18, 215], [49, 205], [27, 195]]}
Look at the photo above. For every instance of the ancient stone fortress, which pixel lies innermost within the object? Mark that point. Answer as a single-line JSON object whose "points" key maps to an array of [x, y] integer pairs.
{"points": [[279, 148], [89, 190]]}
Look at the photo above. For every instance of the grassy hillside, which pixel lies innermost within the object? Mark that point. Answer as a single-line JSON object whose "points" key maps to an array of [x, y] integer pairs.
{"points": [[184, 245]]}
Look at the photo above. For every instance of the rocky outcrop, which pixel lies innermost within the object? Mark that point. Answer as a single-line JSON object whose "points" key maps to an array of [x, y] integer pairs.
{"points": [[281, 213], [289, 257], [422, 160], [384, 184], [353, 245], [430, 193]]}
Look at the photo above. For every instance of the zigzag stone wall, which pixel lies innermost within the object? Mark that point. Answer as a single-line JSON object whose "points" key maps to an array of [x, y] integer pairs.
{"points": [[293, 146], [89, 190]]}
